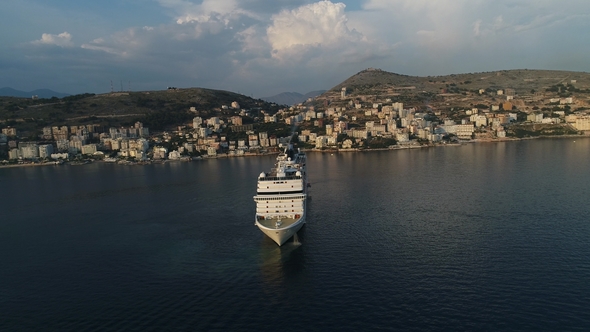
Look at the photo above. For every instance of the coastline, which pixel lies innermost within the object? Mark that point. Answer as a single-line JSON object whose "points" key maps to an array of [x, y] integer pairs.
{"points": [[332, 151]]}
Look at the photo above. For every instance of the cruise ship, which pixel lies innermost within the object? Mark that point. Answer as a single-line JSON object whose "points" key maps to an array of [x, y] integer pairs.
{"points": [[281, 196]]}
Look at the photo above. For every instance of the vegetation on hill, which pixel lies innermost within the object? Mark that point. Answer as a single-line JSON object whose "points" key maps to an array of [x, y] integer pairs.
{"points": [[158, 110]]}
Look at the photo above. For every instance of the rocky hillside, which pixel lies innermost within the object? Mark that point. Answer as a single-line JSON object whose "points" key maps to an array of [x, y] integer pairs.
{"points": [[378, 82]]}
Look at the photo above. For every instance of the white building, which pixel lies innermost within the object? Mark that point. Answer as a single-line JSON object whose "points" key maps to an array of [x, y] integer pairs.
{"points": [[88, 149], [321, 141], [14, 154], [28, 150], [464, 131], [56, 156], [174, 155], [580, 122]]}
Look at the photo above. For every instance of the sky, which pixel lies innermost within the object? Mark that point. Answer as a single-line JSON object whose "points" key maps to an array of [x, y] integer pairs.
{"points": [[262, 48]]}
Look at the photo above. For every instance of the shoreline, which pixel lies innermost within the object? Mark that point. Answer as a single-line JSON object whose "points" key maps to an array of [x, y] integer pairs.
{"points": [[473, 141], [332, 151]]}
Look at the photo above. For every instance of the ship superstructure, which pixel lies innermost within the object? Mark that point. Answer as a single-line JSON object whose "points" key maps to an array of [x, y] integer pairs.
{"points": [[281, 196]]}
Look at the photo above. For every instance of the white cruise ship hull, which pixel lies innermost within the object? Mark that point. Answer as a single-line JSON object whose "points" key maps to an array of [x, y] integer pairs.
{"points": [[281, 235]]}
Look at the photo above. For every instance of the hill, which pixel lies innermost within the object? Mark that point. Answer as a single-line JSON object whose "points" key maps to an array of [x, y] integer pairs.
{"points": [[377, 81], [461, 90], [157, 109], [41, 93]]}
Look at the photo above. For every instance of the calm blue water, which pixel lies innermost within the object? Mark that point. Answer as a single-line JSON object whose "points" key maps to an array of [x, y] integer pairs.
{"points": [[477, 237]]}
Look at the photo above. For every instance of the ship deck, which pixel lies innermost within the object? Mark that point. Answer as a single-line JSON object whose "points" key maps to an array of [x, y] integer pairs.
{"points": [[271, 222]]}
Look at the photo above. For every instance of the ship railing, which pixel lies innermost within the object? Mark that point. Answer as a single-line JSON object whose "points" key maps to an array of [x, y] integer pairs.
{"points": [[267, 216], [276, 178], [264, 198]]}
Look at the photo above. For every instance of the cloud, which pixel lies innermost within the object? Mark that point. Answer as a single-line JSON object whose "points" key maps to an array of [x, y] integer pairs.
{"points": [[208, 11], [63, 39], [318, 25]]}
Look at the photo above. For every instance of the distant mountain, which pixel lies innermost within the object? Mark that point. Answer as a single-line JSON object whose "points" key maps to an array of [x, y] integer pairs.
{"points": [[41, 93], [292, 98]]}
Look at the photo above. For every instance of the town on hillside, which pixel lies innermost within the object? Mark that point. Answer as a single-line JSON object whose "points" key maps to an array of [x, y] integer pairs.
{"points": [[346, 118]]}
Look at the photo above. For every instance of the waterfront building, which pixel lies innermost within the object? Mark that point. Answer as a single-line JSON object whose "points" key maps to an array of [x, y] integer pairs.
{"points": [[14, 154], [174, 155], [464, 131], [56, 156], [253, 140], [160, 152], [581, 122], [88, 149], [45, 151], [28, 150], [320, 142]]}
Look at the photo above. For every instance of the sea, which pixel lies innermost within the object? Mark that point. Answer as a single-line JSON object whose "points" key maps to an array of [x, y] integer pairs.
{"points": [[477, 237]]}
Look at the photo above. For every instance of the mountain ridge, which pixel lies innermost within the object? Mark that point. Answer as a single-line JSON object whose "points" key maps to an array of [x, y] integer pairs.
{"points": [[41, 93]]}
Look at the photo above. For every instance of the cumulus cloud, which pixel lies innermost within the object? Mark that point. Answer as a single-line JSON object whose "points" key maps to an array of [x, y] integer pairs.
{"points": [[63, 39], [321, 24]]}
